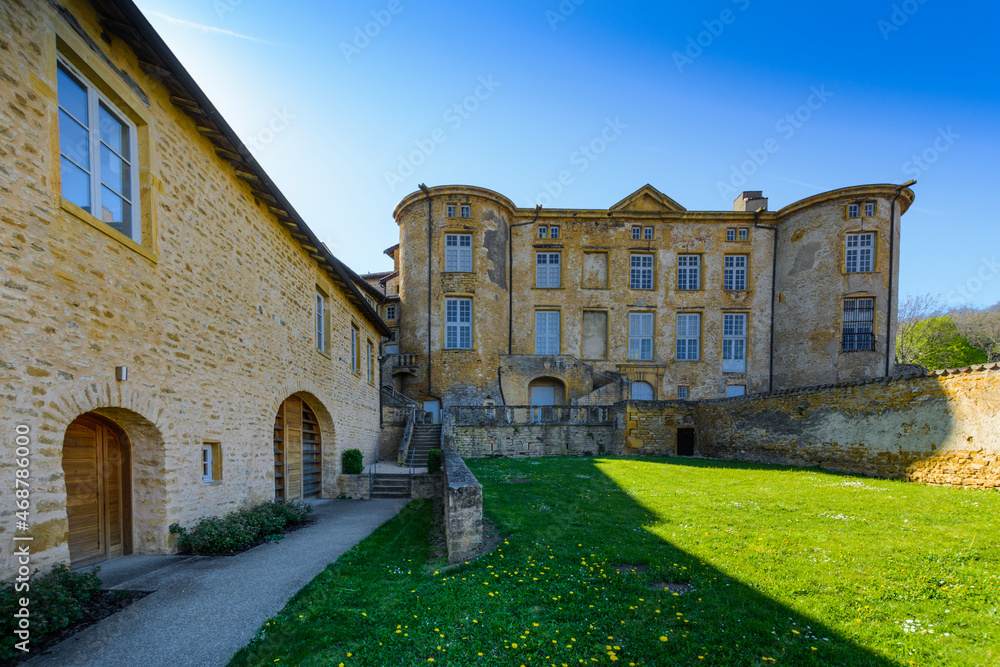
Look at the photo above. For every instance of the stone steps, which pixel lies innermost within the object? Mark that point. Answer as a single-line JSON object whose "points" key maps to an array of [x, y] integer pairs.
{"points": [[391, 486]]}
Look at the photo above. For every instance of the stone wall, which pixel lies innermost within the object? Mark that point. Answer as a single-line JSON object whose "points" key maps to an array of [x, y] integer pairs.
{"points": [[523, 431], [212, 311], [650, 427], [463, 509]]}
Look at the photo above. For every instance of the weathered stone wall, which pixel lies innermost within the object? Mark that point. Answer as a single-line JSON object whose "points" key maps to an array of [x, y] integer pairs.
{"points": [[212, 313], [426, 486], [650, 427], [523, 431], [463, 509], [519, 371], [939, 428]]}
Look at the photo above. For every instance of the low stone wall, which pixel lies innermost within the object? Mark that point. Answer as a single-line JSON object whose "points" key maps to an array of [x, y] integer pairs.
{"points": [[940, 428], [650, 427], [355, 487], [463, 509], [426, 486], [525, 431]]}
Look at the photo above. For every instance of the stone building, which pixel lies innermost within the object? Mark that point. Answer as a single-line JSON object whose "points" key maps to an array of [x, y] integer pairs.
{"points": [[643, 300], [176, 341]]}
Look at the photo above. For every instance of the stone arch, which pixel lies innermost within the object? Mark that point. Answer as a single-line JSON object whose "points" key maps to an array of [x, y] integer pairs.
{"points": [[544, 383], [330, 450], [642, 391]]}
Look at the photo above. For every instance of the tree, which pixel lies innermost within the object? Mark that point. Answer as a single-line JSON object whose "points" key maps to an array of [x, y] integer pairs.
{"points": [[912, 312], [938, 344], [982, 329]]}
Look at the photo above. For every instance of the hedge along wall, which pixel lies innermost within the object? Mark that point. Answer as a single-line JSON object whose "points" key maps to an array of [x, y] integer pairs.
{"points": [[940, 428]]}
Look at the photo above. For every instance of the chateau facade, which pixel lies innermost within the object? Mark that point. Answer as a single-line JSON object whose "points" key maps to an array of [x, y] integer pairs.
{"points": [[500, 304], [177, 343]]}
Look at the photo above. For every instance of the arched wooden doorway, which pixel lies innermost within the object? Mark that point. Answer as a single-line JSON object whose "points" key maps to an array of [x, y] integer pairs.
{"points": [[97, 467], [298, 446]]}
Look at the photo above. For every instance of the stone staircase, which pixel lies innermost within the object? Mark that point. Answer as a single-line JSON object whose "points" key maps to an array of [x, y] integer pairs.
{"points": [[425, 437], [391, 485]]}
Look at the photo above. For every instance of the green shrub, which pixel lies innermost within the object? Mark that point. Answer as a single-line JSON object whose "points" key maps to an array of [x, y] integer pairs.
{"points": [[240, 530], [434, 460], [57, 601], [353, 462]]}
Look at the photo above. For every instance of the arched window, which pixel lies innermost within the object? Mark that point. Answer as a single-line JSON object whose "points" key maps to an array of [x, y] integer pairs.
{"points": [[642, 391]]}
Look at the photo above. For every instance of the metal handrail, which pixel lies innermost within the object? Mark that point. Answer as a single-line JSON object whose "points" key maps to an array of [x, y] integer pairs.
{"points": [[402, 398], [407, 435]]}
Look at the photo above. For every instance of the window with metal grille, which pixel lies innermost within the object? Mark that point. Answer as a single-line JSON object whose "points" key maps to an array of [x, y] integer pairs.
{"points": [[547, 332], [859, 325], [458, 252], [688, 272], [860, 253], [390, 313], [640, 336], [734, 276], [458, 324], [734, 343], [547, 274], [641, 272], [688, 336]]}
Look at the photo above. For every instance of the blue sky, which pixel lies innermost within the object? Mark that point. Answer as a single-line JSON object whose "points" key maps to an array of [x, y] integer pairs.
{"points": [[350, 105]]}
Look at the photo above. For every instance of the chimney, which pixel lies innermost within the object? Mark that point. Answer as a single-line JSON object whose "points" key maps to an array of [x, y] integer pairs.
{"points": [[750, 200]]}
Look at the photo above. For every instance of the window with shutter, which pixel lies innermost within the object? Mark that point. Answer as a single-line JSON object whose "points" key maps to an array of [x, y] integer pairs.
{"points": [[547, 332], [640, 336]]}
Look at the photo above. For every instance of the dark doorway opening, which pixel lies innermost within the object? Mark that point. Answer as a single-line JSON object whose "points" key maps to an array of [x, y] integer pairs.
{"points": [[685, 442]]}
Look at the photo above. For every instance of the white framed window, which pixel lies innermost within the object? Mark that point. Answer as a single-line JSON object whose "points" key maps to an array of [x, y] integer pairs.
{"points": [[688, 272], [458, 324], [458, 252], [547, 270], [99, 153], [553, 232], [636, 233], [640, 336], [641, 274], [543, 232], [207, 463], [647, 233], [853, 210], [390, 313], [870, 209], [734, 275], [371, 360], [688, 336], [736, 390], [730, 234], [355, 362], [451, 210], [682, 392], [320, 321], [466, 210], [860, 255], [547, 331], [734, 342], [859, 325], [744, 234]]}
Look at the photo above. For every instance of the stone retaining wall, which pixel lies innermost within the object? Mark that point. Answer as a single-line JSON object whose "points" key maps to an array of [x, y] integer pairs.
{"points": [[463, 509]]}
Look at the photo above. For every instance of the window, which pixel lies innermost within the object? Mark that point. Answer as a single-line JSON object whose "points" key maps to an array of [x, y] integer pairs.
{"points": [[390, 313], [466, 211], [458, 324], [595, 270], [682, 392], [869, 209], [637, 233], [860, 253], [859, 320], [647, 233], [320, 321], [640, 336], [371, 360], [391, 338], [734, 343], [543, 232], [547, 273], [734, 276], [458, 252], [852, 210], [355, 361], [98, 155], [451, 210], [211, 462], [730, 234], [553, 232], [688, 336], [642, 391], [595, 334], [736, 390], [688, 272], [642, 272], [546, 332], [744, 234]]}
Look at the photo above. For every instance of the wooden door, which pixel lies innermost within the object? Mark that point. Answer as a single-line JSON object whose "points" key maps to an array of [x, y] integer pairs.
{"points": [[96, 466], [297, 451]]}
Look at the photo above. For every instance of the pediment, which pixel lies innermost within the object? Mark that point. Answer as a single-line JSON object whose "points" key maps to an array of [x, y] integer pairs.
{"points": [[648, 198]]}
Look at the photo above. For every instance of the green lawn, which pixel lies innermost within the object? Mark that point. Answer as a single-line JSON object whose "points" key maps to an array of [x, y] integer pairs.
{"points": [[785, 565]]}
